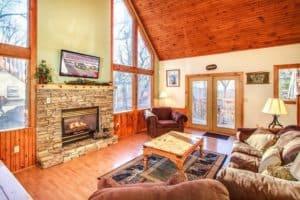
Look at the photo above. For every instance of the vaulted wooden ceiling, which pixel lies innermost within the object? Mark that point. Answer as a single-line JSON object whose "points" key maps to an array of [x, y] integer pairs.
{"points": [[185, 28]]}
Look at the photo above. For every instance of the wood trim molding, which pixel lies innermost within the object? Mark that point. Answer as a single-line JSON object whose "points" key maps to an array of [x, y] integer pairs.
{"points": [[141, 26], [276, 79], [25, 138], [14, 51], [298, 110]]}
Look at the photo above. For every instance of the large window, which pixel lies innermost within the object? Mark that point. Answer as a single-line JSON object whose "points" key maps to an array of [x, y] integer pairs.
{"points": [[123, 30], [16, 58], [123, 91], [285, 82], [14, 22], [132, 62]]}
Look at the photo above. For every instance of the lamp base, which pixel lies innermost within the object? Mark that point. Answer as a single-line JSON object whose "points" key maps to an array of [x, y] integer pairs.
{"points": [[275, 122]]}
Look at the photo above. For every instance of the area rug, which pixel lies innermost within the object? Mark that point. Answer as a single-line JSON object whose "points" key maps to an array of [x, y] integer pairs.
{"points": [[161, 169], [215, 135]]}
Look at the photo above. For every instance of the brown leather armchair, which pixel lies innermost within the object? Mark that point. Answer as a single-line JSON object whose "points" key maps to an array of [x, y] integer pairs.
{"points": [[162, 120]]}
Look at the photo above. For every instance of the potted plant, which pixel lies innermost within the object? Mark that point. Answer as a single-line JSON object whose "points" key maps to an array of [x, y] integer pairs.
{"points": [[43, 73]]}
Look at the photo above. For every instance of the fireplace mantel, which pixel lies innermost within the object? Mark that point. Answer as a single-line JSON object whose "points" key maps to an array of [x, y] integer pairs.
{"points": [[71, 87], [52, 99]]}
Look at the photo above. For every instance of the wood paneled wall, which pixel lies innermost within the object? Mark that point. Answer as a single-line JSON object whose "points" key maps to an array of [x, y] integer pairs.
{"points": [[25, 139], [129, 123]]}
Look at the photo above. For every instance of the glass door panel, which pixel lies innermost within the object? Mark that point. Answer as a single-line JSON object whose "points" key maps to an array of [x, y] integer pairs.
{"points": [[199, 102], [226, 103]]}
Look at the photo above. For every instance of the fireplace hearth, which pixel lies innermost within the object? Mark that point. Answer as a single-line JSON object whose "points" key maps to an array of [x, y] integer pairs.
{"points": [[79, 124]]}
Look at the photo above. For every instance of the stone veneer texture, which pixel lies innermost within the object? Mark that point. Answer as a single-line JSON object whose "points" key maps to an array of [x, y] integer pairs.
{"points": [[49, 131]]}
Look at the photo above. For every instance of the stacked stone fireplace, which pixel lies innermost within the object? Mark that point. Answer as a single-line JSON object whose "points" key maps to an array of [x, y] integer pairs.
{"points": [[71, 120]]}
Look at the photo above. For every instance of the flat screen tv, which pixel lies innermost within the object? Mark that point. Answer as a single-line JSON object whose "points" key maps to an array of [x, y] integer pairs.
{"points": [[79, 65]]}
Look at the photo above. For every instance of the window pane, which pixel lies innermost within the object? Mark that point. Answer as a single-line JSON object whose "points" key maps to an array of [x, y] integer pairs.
{"points": [[199, 109], [122, 48], [122, 91], [287, 83], [226, 104], [13, 93], [144, 56], [14, 22], [144, 91]]}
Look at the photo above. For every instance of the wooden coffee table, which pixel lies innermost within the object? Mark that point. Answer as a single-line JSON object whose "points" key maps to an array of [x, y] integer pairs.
{"points": [[175, 146]]}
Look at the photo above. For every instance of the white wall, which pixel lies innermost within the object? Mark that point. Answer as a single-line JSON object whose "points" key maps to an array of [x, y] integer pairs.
{"points": [[241, 61]]}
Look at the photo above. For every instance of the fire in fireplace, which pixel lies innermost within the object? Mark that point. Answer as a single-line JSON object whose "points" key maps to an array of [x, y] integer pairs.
{"points": [[79, 124]]}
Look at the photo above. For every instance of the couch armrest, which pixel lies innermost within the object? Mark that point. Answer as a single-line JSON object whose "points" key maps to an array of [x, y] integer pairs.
{"points": [[179, 117], [243, 184], [151, 121], [243, 133]]}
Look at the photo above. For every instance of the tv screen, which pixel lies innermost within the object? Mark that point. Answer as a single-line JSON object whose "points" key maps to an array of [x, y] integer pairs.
{"points": [[79, 65]]}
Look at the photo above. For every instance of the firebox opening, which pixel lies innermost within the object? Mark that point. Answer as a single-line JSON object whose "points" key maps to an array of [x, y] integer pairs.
{"points": [[79, 124]]}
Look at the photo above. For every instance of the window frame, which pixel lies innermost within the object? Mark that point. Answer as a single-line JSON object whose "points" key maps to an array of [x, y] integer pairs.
{"points": [[134, 69], [276, 80], [28, 53]]}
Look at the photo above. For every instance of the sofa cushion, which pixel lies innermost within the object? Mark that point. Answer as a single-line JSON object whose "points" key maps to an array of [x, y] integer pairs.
{"points": [[186, 190], [270, 158], [167, 124], [290, 150], [247, 185], [246, 149], [261, 139], [244, 161], [295, 168], [286, 137], [163, 113]]}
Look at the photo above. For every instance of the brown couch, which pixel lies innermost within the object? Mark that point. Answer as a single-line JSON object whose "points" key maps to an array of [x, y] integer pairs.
{"points": [[207, 189], [162, 120], [242, 179]]}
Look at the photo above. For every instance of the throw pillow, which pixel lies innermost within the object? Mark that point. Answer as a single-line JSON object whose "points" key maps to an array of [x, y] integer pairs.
{"points": [[295, 168], [286, 137], [261, 139], [281, 172], [291, 150], [270, 158]]}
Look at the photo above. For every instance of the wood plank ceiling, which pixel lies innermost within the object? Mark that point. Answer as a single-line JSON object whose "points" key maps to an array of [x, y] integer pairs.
{"points": [[186, 28]]}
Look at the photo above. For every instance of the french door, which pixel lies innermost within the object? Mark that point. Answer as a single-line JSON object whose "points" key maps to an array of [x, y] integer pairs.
{"points": [[215, 102]]}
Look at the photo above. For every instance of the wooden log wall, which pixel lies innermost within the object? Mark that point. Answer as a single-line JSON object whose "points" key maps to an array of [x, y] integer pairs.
{"points": [[25, 139]]}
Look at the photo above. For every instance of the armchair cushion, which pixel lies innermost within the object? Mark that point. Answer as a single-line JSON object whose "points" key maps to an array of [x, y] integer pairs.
{"points": [[163, 113], [167, 124]]}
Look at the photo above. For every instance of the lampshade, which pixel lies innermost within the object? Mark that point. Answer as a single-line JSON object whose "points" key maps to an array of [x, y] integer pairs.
{"points": [[274, 106], [163, 95]]}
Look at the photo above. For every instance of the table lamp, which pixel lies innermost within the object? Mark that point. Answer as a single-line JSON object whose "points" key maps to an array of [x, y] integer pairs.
{"points": [[275, 107]]}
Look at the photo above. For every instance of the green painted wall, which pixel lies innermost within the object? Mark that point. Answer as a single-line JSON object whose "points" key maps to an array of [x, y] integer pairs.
{"points": [[76, 25]]}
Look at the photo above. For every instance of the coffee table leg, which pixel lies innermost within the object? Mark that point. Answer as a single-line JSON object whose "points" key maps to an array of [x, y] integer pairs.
{"points": [[180, 167], [145, 162], [200, 149]]}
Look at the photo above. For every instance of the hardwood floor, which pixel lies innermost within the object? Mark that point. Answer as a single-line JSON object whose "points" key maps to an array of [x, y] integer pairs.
{"points": [[77, 179]]}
